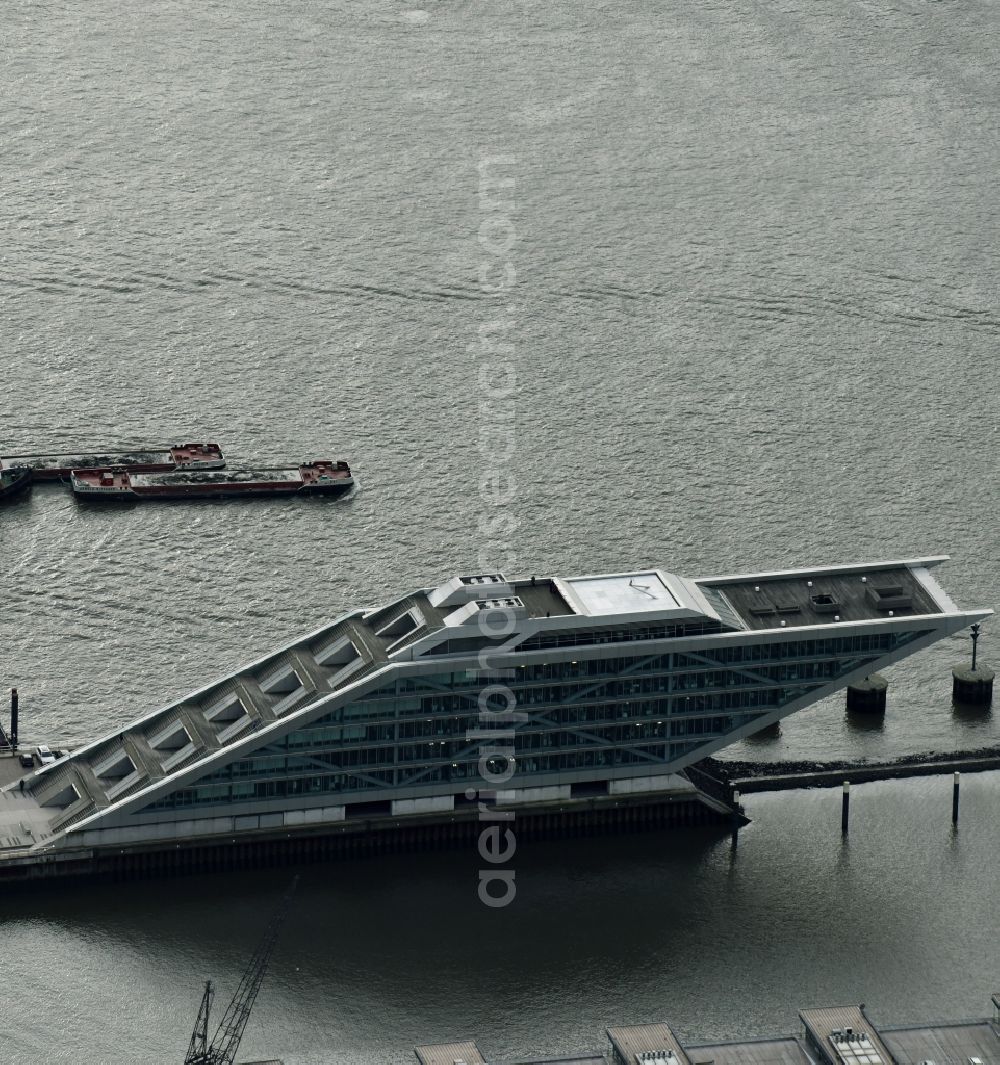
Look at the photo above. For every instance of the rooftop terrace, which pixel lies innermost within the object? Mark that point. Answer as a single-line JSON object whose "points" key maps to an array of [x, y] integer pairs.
{"points": [[824, 597]]}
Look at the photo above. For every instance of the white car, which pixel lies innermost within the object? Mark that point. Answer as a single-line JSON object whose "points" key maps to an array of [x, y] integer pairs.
{"points": [[45, 756]]}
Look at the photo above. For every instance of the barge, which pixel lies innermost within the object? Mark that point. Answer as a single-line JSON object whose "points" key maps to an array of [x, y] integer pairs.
{"points": [[58, 466], [374, 723], [324, 477]]}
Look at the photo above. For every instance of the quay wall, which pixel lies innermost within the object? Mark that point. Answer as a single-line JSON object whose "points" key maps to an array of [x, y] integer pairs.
{"points": [[360, 838]]}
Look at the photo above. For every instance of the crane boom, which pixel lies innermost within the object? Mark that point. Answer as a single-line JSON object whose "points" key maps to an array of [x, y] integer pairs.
{"points": [[226, 1042], [198, 1047]]}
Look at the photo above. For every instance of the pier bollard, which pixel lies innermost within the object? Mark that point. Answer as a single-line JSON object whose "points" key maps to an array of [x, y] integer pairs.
{"points": [[972, 685], [954, 798], [869, 695], [845, 808]]}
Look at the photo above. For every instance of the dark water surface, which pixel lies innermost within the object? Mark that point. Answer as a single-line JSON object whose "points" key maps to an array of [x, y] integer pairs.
{"points": [[382, 954], [756, 325]]}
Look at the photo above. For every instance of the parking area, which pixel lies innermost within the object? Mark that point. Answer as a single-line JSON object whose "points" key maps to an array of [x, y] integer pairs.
{"points": [[11, 769]]}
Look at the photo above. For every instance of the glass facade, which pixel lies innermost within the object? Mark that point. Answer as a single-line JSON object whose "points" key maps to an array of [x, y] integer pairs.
{"points": [[584, 718], [625, 634]]}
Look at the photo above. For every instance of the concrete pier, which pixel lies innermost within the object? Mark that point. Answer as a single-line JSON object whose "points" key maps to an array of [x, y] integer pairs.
{"points": [[779, 776], [868, 696], [364, 837], [972, 687], [11, 770]]}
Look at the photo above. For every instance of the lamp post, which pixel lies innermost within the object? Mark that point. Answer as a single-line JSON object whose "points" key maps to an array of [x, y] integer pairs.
{"points": [[13, 720]]}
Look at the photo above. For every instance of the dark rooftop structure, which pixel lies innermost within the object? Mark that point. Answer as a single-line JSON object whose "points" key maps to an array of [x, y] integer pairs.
{"points": [[782, 1051], [831, 1035], [942, 1043], [464, 1053], [542, 598], [653, 1043], [843, 1035], [818, 599], [573, 1059]]}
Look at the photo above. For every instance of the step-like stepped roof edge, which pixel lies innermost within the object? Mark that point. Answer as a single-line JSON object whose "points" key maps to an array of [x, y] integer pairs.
{"points": [[206, 689], [840, 568], [252, 739]]}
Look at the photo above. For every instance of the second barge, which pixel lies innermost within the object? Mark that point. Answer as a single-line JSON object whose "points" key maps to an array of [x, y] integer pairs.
{"points": [[58, 466], [319, 477]]}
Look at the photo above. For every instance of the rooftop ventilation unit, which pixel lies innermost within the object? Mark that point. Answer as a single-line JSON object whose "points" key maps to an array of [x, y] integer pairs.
{"points": [[888, 597], [854, 1048], [483, 580], [510, 603], [764, 610], [462, 589], [494, 612], [656, 1057], [824, 603]]}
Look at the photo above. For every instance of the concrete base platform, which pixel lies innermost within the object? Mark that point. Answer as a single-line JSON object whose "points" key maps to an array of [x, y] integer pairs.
{"points": [[868, 696], [23, 823], [364, 838], [972, 687], [11, 769]]}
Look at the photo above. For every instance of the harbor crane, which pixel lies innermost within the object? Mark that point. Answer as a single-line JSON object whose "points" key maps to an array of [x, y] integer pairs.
{"points": [[226, 1042]]}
